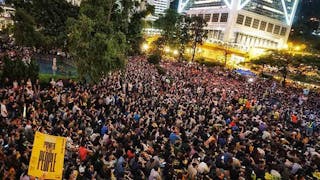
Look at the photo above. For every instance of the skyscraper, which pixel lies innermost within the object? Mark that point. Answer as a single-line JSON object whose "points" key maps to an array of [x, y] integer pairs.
{"points": [[160, 6], [247, 23]]}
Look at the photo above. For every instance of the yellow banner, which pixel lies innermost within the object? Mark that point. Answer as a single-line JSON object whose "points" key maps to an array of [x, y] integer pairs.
{"points": [[47, 156]]}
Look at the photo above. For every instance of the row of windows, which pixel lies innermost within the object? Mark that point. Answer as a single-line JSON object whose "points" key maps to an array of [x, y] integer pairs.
{"points": [[270, 9], [261, 25], [209, 4], [216, 17]]}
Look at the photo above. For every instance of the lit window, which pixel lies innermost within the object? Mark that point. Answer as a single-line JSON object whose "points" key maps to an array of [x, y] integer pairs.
{"points": [[270, 27], [248, 21], [240, 19], [207, 17], [263, 25], [224, 17], [255, 23], [276, 29], [215, 17], [283, 31]]}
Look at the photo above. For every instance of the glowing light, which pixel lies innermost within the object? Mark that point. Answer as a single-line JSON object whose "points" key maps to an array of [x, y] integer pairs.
{"points": [[227, 3], [182, 5], [166, 49], [286, 46], [175, 52], [256, 52], [243, 4], [289, 17], [297, 48], [145, 47]]}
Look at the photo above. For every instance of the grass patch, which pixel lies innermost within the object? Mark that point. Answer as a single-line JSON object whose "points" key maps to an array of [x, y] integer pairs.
{"points": [[46, 78]]}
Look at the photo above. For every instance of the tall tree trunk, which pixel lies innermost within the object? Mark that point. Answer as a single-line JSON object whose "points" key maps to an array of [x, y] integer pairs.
{"points": [[194, 51], [225, 57], [181, 52], [284, 75], [110, 11]]}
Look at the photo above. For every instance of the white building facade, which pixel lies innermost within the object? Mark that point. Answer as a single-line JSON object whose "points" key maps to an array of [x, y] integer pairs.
{"points": [[6, 17], [160, 6], [247, 23], [75, 2]]}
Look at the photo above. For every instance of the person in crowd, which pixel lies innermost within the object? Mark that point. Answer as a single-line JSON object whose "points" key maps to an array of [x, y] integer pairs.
{"points": [[191, 122]]}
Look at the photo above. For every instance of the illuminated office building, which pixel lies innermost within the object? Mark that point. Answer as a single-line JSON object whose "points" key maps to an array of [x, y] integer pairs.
{"points": [[247, 23], [160, 6]]}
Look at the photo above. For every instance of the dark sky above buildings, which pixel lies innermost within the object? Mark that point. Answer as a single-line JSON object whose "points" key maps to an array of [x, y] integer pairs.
{"points": [[309, 9]]}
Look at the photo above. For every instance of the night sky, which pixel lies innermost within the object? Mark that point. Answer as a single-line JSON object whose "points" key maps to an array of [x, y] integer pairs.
{"points": [[309, 8]]}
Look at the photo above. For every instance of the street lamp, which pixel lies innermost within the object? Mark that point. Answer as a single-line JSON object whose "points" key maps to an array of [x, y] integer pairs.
{"points": [[175, 52], [167, 49], [145, 47]]}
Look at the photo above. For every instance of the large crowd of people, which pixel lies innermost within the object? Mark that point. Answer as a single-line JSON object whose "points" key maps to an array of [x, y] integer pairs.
{"points": [[192, 122]]}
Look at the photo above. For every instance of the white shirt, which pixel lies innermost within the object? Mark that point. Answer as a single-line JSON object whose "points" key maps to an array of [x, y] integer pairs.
{"points": [[4, 112], [203, 168], [154, 175], [192, 171]]}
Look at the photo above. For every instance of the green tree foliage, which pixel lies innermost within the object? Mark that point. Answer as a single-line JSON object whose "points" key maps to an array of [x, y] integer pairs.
{"points": [[317, 46], [183, 34], [24, 29], [47, 17], [284, 60], [175, 31], [96, 46], [18, 70], [198, 33], [51, 19], [134, 33], [154, 58], [168, 25]]}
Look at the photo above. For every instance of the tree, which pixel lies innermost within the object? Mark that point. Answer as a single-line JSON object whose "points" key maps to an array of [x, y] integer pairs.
{"points": [[94, 43], [284, 61], [51, 20], [317, 46], [24, 29], [48, 18], [175, 31], [183, 34], [278, 59], [198, 33], [168, 25], [18, 70], [134, 33]]}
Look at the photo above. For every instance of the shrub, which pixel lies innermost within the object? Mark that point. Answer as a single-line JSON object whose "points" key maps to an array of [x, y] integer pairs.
{"points": [[161, 70], [211, 63], [266, 75], [154, 58], [200, 60], [18, 70]]}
